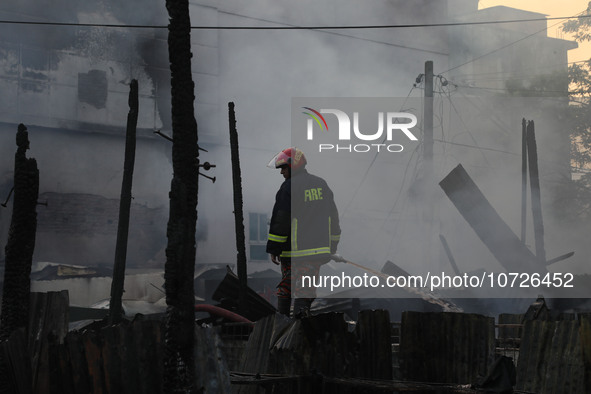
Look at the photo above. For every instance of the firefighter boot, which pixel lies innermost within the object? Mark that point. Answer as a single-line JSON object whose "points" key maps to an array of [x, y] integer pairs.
{"points": [[284, 305], [301, 307]]}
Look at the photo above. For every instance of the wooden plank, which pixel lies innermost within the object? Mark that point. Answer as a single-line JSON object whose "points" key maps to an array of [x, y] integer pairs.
{"points": [[523, 179], [92, 344], [536, 200], [62, 378], [112, 347], [498, 237]]}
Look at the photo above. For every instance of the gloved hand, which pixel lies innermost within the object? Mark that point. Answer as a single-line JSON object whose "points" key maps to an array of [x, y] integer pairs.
{"points": [[338, 258], [275, 259]]}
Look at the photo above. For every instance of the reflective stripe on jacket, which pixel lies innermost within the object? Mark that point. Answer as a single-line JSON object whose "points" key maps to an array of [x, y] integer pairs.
{"points": [[311, 230]]}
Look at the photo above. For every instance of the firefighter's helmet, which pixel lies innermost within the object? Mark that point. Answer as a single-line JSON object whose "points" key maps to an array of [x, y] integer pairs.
{"points": [[292, 157]]}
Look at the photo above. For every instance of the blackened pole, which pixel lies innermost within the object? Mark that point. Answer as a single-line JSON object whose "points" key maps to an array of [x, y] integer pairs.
{"points": [[115, 307], [238, 212], [523, 179], [21, 239], [179, 270], [536, 203]]}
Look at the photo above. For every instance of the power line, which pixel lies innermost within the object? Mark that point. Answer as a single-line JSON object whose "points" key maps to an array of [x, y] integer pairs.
{"points": [[477, 147], [564, 92], [372, 162], [466, 128], [578, 16], [293, 27]]}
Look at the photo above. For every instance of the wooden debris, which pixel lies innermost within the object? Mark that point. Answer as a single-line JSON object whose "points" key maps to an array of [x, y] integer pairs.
{"points": [[488, 224], [254, 306]]}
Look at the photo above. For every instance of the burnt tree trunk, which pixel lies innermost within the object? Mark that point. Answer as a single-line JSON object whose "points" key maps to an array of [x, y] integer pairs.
{"points": [[21, 239], [115, 306], [179, 375]]}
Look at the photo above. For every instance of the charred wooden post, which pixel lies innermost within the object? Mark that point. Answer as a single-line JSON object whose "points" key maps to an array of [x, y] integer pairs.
{"points": [[179, 337], [536, 203], [115, 307], [19, 251], [238, 212], [523, 179], [21, 239]]}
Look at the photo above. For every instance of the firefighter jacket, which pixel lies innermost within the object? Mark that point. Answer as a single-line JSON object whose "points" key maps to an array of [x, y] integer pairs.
{"points": [[305, 221]]}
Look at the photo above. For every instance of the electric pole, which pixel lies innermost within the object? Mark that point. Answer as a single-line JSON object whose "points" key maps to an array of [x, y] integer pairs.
{"points": [[428, 121], [428, 175]]}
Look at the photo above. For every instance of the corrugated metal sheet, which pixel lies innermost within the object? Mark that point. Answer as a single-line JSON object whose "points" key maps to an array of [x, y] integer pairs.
{"points": [[212, 372], [295, 354], [551, 358], [374, 333], [256, 354], [446, 347], [509, 335], [585, 333], [319, 343]]}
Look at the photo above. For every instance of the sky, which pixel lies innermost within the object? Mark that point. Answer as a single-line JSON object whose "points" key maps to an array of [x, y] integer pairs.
{"points": [[552, 8]]}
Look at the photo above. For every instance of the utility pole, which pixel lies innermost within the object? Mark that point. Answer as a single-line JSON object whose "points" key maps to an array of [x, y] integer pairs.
{"points": [[431, 247], [428, 121]]}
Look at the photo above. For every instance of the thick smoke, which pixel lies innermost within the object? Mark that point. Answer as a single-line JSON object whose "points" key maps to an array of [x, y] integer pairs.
{"points": [[382, 202]]}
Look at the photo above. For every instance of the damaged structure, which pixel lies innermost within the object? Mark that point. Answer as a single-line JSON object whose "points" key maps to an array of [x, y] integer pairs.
{"points": [[70, 89]]}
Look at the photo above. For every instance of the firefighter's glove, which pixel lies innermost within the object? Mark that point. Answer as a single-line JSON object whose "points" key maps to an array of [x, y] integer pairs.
{"points": [[338, 258]]}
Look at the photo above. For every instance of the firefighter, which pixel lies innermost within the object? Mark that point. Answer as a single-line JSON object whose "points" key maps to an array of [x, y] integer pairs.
{"points": [[304, 229]]}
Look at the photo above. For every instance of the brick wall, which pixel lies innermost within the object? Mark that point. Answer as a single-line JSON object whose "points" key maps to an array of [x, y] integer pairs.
{"points": [[82, 229]]}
